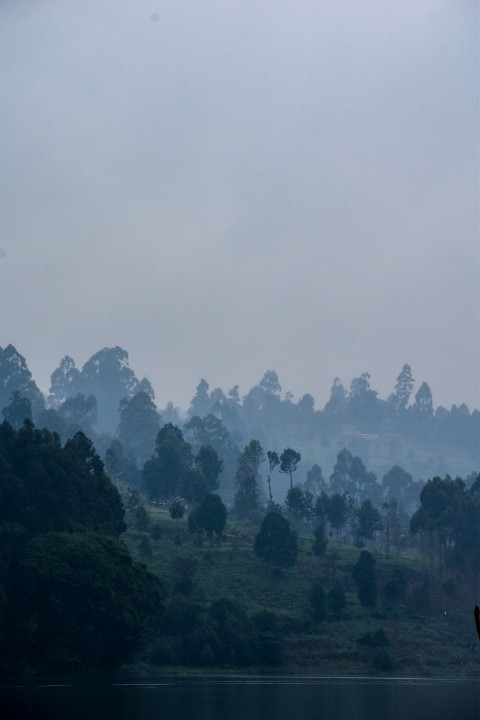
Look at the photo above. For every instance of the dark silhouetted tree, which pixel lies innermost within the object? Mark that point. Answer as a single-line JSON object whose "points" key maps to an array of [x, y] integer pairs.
{"points": [[369, 522], [273, 462], [276, 543], [173, 457], [289, 460], [299, 503], [210, 465], [139, 425], [337, 512], [403, 390], [211, 516], [246, 478], [423, 406]]}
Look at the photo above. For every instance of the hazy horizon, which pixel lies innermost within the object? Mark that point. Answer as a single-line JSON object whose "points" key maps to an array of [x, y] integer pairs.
{"points": [[224, 189]]}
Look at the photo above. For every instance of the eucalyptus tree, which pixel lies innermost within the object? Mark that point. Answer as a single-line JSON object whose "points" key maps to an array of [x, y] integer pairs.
{"points": [[273, 462], [289, 460], [246, 478]]}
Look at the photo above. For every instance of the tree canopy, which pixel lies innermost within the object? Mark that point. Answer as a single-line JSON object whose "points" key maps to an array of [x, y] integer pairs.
{"points": [[276, 542], [72, 595]]}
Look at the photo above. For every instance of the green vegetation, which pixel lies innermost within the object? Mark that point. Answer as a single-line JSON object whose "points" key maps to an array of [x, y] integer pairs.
{"points": [[71, 596], [416, 627], [335, 572]]}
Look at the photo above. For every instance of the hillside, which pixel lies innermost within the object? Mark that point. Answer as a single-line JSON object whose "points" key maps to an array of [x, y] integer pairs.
{"points": [[426, 628]]}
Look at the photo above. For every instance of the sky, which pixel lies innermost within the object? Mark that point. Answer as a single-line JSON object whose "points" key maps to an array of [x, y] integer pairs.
{"points": [[224, 188]]}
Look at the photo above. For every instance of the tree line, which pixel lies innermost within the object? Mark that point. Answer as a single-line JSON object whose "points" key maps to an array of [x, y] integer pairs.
{"points": [[107, 401]]}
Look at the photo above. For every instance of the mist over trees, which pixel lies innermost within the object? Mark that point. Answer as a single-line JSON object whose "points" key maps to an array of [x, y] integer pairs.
{"points": [[97, 456], [359, 444]]}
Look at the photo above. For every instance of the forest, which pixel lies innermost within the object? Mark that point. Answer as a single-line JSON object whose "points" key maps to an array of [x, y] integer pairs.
{"points": [[120, 522]]}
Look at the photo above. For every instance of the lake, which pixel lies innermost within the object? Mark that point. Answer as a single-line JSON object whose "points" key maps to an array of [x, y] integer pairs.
{"points": [[248, 698]]}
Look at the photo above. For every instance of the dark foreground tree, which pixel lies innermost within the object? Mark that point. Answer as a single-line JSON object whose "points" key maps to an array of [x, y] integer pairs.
{"points": [[210, 516], [276, 543], [72, 597], [87, 598]]}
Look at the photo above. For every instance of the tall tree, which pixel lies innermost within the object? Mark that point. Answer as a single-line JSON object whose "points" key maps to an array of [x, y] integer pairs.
{"points": [[369, 522], [107, 375], [270, 383], [365, 407], [246, 478], [337, 512], [396, 484], [64, 382], [289, 460], [273, 462], [210, 465], [403, 389], [210, 430], [424, 402], [172, 458], [336, 409], [139, 425], [16, 377], [201, 403], [315, 481]]}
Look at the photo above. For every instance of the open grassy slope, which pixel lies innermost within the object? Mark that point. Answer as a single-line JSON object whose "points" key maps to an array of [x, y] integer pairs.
{"points": [[428, 631]]}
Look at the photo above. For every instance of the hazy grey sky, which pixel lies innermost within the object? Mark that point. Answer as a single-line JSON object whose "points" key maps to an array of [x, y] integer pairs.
{"points": [[225, 187]]}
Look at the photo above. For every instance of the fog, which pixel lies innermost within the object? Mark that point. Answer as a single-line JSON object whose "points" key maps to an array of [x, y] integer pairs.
{"points": [[222, 188]]}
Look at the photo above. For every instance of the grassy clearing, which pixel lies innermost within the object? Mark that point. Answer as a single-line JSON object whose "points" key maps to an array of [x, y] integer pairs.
{"points": [[428, 633]]}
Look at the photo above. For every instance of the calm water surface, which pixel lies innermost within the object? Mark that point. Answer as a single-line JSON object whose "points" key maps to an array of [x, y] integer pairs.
{"points": [[246, 698]]}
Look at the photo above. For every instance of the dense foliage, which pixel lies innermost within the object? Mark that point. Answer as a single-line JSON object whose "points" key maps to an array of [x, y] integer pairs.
{"points": [[276, 542], [72, 596]]}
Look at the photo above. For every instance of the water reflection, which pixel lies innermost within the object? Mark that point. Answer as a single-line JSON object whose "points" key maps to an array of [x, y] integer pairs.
{"points": [[245, 698]]}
